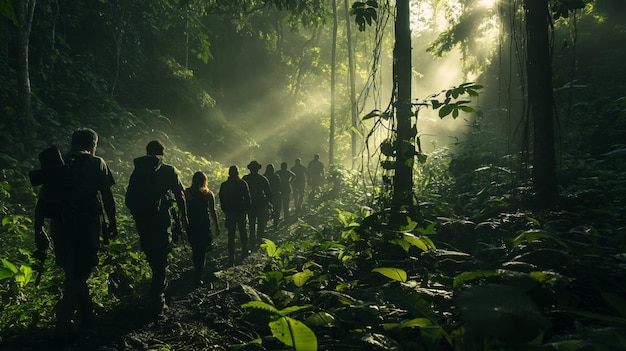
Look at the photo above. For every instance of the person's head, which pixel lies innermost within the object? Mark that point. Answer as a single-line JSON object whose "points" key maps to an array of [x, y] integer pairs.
{"points": [[316, 156], [85, 139], [233, 171], [155, 148], [283, 165], [200, 181], [269, 169], [298, 160], [254, 167]]}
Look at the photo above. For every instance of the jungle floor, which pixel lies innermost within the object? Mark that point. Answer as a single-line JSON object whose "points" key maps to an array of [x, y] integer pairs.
{"points": [[205, 317]]}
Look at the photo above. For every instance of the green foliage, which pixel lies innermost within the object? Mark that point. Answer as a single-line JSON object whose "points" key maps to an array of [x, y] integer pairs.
{"points": [[364, 13], [289, 331]]}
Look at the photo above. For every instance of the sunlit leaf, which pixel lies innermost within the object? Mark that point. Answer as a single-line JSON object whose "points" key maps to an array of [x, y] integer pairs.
{"points": [[413, 323], [415, 241], [269, 246], [294, 333], [534, 235], [469, 276], [261, 305], [9, 265], [392, 273], [301, 278]]}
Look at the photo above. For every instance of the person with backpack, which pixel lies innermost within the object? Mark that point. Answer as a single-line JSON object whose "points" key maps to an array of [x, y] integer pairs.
{"points": [[73, 185], [235, 201], [151, 187], [200, 212], [260, 198]]}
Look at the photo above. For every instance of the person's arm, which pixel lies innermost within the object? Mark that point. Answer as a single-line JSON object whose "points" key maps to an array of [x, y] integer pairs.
{"points": [[106, 182], [213, 213], [268, 191], [181, 203], [42, 242], [246, 195], [109, 209]]}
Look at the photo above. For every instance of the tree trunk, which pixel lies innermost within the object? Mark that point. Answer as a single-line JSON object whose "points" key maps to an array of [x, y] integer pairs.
{"points": [[25, 11], [333, 68], [353, 108], [404, 145], [540, 101]]}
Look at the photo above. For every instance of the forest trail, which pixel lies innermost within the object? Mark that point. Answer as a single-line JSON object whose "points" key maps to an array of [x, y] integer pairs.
{"points": [[207, 317]]}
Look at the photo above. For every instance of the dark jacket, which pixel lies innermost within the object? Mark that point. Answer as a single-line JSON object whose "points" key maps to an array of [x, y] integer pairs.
{"points": [[260, 192], [234, 195]]}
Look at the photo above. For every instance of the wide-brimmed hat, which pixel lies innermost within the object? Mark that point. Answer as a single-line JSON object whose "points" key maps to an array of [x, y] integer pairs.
{"points": [[254, 165]]}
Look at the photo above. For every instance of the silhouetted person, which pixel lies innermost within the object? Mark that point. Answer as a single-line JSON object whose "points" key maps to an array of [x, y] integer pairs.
{"points": [[75, 213], [299, 183], [151, 187], [275, 187], [286, 177], [316, 173], [260, 196], [200, 211], [235, 201]]}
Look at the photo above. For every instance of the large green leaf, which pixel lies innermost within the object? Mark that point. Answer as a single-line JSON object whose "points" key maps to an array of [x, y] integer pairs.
{"points": [[261, 305], [413, 323], [294, 333], [320, 319], [301, 278], [269, 246], [392, 273], [469, 276]]}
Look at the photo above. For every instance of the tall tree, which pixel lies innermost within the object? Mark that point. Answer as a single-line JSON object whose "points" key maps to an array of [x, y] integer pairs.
{"points": [[25, 11], [405, 131], [351, 69], [333, 72], [540, 100]]}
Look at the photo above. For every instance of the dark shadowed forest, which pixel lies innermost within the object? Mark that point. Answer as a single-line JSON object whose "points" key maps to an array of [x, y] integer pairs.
{"points": [[474, 151]]}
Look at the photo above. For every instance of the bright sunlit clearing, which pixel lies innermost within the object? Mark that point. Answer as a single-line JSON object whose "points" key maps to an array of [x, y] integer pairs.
{"points": [[487, 3]]}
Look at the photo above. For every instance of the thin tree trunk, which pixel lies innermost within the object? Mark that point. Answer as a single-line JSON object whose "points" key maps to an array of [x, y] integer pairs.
{"points": [[25, 11], [353, 107], [540, 101], [333, 68], [404, 146]]}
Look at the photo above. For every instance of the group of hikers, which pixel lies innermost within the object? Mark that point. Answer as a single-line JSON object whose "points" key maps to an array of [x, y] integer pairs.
{"points": [[76, 196]]}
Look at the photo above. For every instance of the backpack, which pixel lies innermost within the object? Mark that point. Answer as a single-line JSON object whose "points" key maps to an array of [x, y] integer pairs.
{"points": [[142, 195], [64, 183]]}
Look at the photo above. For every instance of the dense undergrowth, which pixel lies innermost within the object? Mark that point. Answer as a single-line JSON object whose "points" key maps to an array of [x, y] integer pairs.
{"points": [[479, 269]]}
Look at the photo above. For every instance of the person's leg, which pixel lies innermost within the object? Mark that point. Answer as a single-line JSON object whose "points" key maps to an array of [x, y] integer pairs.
{"points": [[253, 226], [262, 224], [278, 202], [243, 235], [155, 243], [231, 227], [198, 257], [286, 199]]}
